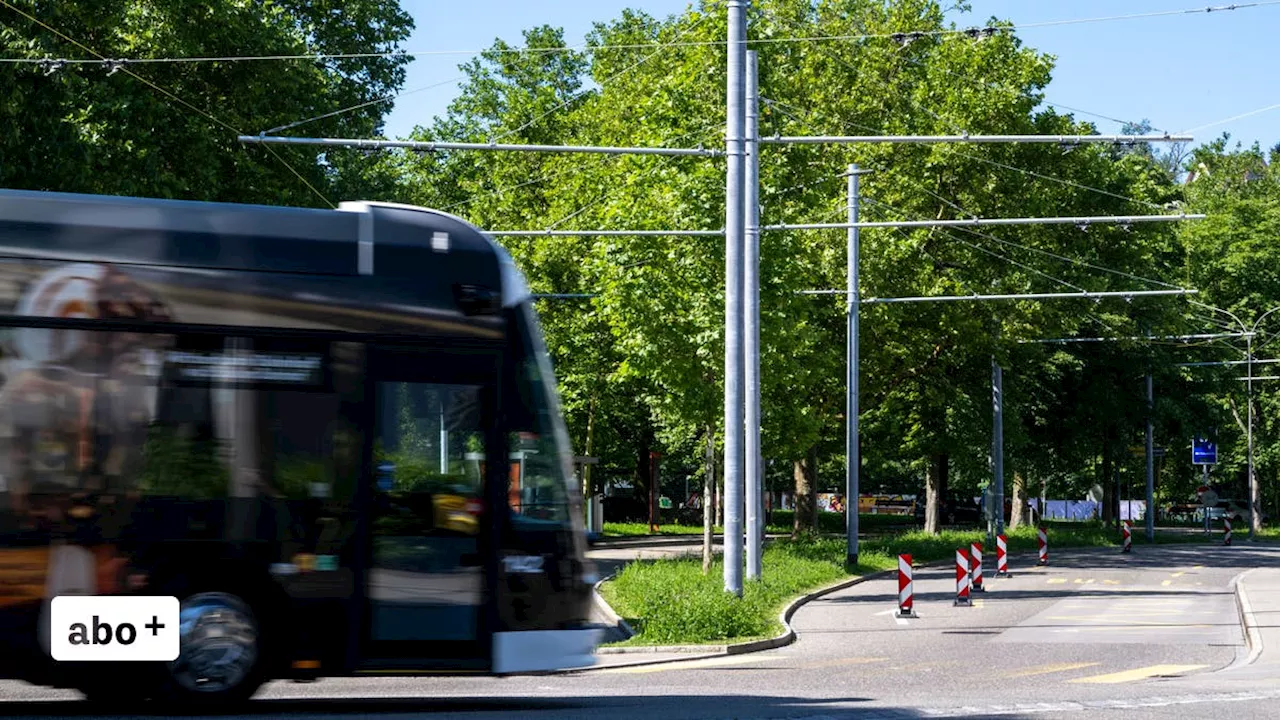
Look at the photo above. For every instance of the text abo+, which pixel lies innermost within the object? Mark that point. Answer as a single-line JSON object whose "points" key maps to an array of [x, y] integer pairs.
{"points": [[101, 627]]}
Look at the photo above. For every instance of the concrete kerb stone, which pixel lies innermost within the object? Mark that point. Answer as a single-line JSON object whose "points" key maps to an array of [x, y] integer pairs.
{"points": [[607, 610], [1248, 623], [698, 652]]}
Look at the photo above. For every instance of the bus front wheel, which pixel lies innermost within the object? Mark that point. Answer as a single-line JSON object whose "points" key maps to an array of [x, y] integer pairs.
{"points": [[220, 658]]}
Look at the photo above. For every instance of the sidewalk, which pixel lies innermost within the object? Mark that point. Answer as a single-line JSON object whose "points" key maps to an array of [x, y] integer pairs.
{"points": [[1258, 595]]}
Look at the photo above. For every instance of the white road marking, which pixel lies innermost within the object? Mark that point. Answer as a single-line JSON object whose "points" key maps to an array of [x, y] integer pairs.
{"points": [[1085, 705]]}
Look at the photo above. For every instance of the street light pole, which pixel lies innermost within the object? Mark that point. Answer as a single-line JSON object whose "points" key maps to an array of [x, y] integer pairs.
{"points": [[1255, 495]]}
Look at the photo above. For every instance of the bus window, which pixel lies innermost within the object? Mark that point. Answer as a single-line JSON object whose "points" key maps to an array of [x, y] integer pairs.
{"points": [[540, 478]]}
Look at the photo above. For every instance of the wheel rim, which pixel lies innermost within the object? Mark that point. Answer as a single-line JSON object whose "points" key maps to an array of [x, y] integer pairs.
{"points": [[219, 643]]}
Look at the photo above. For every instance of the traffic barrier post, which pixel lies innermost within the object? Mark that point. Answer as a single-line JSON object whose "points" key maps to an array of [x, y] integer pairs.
{"points": [[1002, 556], [1128, 537], [962, 578], [1044, 546], [975, 566], [1226, 531], [906, 599]]}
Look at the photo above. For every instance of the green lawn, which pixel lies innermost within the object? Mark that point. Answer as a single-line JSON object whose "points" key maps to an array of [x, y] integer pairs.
{"points": [[781, 522], [671, 602]]}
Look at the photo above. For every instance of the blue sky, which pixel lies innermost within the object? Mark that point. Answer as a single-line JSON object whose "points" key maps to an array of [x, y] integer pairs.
{"points": [[1180, 72]]}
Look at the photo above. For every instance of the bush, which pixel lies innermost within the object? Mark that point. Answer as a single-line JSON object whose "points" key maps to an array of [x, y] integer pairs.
{"points": [[671, 601]]}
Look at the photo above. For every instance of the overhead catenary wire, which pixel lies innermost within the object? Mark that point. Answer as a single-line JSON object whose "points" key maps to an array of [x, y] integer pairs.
{"points": [[1038, 251], [1022, 93], [783, 108], [360, 106], [604, 82], [1251, 113], [600, 163], [587, 47], [204, 113]]}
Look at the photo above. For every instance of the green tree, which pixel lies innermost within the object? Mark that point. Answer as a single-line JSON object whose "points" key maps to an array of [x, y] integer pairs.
{"points": [[169, 129]]}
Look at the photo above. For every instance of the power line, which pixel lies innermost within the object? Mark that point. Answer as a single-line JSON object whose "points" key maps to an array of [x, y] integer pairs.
{"points": [[901, 36], [992, 253], [602, 163], [1251, 113], [353, 108], [1022, 93], [207, 115], [1055, 256], [607, 80], [1070, 183]]}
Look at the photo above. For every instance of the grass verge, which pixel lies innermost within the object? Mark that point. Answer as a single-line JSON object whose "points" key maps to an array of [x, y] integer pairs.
{"points": [[671, 602], [828, 522]]}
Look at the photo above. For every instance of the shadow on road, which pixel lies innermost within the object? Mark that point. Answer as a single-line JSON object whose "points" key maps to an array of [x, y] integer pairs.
{"points": [[619, 707]]}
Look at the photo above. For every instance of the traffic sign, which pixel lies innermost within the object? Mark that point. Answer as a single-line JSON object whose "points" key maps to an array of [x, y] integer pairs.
{"points": [[1204, 452]]}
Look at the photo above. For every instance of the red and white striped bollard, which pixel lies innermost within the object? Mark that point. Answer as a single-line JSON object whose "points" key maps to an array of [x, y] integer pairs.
{"points": [[1226, 531], [1044, 546], [1128, 537], [1002, 556], [975, 566], [962, 578], [906, 599]]}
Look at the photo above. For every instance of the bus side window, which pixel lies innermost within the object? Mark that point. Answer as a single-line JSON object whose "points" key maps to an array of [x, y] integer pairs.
{"points": [[537, 483]]}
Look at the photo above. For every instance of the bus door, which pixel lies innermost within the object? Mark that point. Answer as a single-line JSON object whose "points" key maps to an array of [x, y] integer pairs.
{"points": [[426, 582]]}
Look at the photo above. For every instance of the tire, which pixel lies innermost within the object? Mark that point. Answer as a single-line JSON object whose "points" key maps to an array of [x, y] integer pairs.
{"points": [[221, 661]]}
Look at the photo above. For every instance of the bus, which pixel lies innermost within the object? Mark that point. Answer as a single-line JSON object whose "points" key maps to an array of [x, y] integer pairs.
{"points": [[333, 435]]}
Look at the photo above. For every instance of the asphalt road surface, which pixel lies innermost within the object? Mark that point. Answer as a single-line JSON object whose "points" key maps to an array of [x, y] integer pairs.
{"points": [[1155, 633]]}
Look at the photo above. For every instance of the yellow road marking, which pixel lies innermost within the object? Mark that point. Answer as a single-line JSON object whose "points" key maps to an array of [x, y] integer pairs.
{"points": [[1179, 574], [1046, 669], [1057, 581], [1138, 674], [843, 661], [977, 603], [685, 665], [1167, 583], [1111, 582]]}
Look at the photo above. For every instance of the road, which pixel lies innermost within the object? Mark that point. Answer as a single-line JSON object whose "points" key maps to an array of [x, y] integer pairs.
{"points": [[1146, 635]]}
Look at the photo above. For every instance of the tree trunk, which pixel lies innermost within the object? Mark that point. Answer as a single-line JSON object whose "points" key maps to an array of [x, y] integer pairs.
{"points": [[805, 515], [708, 513], [813, 488], [720, 490], [935, 492], [1108, 487], [1018, 515]]}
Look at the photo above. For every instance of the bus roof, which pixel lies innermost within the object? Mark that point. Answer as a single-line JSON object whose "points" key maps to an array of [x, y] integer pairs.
{"points": [[359, 238]]}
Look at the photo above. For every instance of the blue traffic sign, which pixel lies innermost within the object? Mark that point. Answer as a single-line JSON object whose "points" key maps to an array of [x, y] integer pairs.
{"points": [[1204, 452]]}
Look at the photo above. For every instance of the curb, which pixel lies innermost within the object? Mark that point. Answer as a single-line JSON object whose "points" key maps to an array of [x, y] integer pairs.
{"points": [[1252, 637], [607, 610], [699, 652]]}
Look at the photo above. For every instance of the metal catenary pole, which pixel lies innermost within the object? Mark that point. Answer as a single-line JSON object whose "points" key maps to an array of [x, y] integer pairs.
{"points": [[997, 442], [751, 331], [853, 456], [1254, 496], [733, 390], [1151, 475]]}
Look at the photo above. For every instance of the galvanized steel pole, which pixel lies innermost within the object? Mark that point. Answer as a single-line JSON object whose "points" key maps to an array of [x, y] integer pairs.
{"points": [[853, 458], [1151, 474], [733, 246], [751, 329], [997, 441]]}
